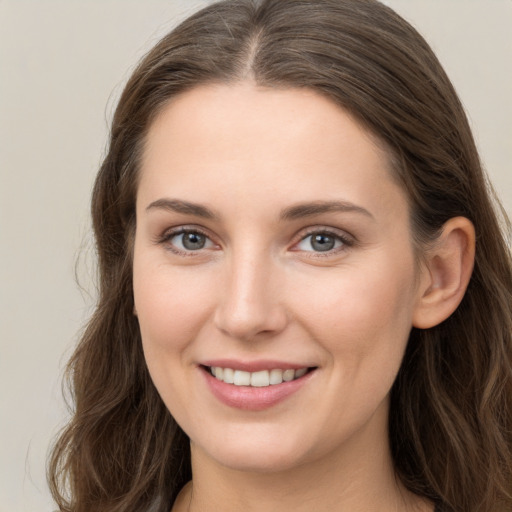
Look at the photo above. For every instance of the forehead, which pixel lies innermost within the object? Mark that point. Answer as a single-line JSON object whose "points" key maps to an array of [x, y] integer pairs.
{"points": [[254, 114], [283, 144]]}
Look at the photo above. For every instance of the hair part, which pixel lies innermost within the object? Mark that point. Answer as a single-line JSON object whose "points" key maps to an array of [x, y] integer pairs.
{"points": [[450, 420]]}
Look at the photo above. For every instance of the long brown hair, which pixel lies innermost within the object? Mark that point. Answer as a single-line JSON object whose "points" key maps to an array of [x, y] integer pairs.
{"points": [[451, 407]]}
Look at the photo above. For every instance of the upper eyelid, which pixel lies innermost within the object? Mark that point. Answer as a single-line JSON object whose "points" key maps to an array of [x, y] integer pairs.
{"points": [[167, 234], [345, 244], [176, 230], [164, 239], [298, 237], [341, 233]]}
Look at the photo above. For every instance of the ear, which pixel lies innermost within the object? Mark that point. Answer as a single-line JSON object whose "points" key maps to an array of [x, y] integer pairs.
{"points": [[446, 273]]}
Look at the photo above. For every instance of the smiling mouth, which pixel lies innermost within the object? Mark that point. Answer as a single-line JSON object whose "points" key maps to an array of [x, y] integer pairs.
{"points": [[257, 379]]}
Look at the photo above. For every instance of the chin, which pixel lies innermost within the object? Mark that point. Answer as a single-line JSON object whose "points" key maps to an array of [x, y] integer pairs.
{"points": [[254, 455], [259, 461]]}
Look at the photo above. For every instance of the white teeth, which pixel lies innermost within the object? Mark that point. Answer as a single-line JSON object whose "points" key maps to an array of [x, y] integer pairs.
{"points": [[300, 372], [241, 378], [259, 379], [288, 375], [229, 376], [276, 377]]}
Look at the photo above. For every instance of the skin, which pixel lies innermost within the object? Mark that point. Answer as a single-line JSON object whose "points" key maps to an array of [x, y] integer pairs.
{"points": [[258, 289]]}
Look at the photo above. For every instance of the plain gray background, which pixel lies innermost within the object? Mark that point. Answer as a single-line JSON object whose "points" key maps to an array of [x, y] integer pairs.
{"points": [[62, 67]]}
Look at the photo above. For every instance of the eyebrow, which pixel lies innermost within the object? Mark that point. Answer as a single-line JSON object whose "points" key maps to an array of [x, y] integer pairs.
{"points": [[318, 207], [179, 206], [294, 212]]}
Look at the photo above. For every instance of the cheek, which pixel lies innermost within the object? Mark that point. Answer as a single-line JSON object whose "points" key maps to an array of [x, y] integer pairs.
{"points": [[363, 315], [172, 306]]}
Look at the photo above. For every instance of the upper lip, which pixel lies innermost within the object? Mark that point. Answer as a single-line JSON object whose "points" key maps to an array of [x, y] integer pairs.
{"points": [[254, 366]]}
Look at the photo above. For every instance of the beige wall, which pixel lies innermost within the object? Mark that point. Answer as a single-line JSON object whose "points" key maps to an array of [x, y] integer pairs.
{"points": [[62, 64]]}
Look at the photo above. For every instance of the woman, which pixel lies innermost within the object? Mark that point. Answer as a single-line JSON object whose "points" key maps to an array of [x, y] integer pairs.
{"points": [[304, 289]]}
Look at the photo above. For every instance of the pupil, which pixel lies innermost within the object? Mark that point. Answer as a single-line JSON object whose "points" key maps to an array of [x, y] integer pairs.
{"points": [[322, 242], [193, 241]]}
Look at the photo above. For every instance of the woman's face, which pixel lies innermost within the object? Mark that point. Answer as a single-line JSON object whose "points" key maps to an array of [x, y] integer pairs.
{"points": [[271, 240]]}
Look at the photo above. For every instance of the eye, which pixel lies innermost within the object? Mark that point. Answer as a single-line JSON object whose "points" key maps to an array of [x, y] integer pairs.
{"points": [[322, 241], [187, 240]]}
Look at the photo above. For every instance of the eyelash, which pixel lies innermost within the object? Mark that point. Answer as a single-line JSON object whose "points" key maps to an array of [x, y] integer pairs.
{"points": [[346, 241], [166, 238]]}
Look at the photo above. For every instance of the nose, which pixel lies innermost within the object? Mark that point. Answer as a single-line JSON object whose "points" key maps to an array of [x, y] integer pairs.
{"points": [[250, 304]]}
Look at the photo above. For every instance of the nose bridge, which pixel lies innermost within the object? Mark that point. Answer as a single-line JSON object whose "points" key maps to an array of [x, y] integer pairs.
{"points": [[250, 302]]}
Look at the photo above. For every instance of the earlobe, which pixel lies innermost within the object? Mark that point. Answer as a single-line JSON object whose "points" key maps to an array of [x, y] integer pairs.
{"points": [[446, 273]]}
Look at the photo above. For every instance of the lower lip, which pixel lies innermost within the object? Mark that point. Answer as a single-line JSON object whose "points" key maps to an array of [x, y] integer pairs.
{"points": [[253, 398]]}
